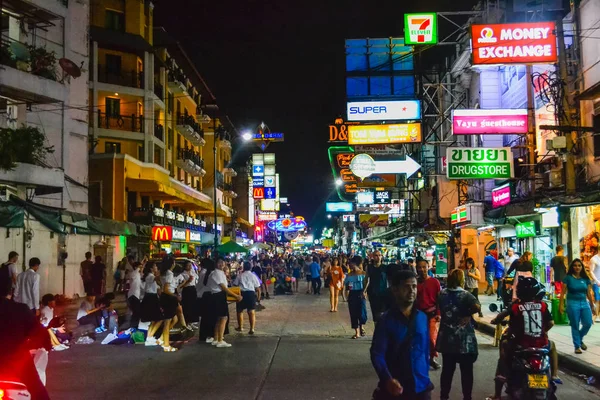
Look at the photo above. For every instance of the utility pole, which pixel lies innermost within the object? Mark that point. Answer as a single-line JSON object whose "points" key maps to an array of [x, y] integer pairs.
{"points": [[531, 145]]}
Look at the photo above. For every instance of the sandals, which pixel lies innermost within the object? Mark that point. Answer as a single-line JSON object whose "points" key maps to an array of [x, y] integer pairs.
{"points": [[169, 349], [251, 333], [355, 337], [362, 332], [238, 329]]}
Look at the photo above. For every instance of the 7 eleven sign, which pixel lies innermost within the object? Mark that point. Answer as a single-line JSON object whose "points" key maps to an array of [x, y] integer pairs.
{"points": [[420, 28]]}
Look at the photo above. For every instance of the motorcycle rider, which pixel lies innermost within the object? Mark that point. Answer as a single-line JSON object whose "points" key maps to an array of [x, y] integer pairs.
{"points": [[529, 323]]}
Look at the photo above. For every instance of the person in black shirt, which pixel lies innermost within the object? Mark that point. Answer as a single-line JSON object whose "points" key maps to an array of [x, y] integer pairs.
{"points": [[376, 285], [558, 264], [20, 332]]}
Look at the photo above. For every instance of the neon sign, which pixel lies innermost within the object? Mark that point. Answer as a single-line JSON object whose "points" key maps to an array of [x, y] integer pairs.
{"points": [[287, 224]]}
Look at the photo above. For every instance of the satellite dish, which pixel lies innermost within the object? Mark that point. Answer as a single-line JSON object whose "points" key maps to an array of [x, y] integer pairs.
{"points": [[70, 68], [20, 51]]}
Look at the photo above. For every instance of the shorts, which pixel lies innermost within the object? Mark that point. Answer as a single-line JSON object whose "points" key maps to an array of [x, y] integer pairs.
{"points": [[308, 278], [248, 301], [596, 290], [218, 302], [489, 276]]}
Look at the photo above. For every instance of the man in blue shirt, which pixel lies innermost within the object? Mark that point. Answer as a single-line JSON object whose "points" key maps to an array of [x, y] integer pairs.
{"points": [[315, 273], [400, 347], [490, 272]]}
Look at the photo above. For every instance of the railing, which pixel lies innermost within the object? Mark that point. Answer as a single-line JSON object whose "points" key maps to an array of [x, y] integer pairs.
{"points": [[158, 90], [122, 78], [132, 123], [228, 187], [193, 156], [38, 61], [183, 119], [177, 76], [159, 131]]}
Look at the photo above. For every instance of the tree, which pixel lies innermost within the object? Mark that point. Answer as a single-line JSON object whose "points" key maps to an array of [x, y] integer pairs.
{"points": [[22, 145]]}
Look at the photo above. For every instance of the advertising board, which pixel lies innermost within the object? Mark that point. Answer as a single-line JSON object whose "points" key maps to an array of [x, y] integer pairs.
{"points": [[501, 196], [373, 220], [420, 28], [384, 134], [479, 163], [338, 207], [489, 122], [384, 110]]}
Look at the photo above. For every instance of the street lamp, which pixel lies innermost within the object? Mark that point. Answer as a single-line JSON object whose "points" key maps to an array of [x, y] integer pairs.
{"points": [[247, 136], [328, 216], [339, 182]]}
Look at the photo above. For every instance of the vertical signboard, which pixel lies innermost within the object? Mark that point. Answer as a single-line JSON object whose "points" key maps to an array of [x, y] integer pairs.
{"points": [[441, 260]]}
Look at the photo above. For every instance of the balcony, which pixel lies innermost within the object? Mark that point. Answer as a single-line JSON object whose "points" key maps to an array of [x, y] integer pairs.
{"points": [[191, 162], [132, 123], [177, 82], [159, 132], [229, 171], [131, 78], [29, 73], [228, 190], [190, 129], [224, 143], [159, 91]]}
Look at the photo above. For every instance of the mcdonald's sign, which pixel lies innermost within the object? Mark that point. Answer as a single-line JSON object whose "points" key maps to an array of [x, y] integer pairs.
{"points": [[258, 192], [162, 233]]}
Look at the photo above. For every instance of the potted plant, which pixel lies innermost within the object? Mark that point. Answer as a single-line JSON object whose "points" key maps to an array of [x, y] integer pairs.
{"points": [[43, 62], [6, 55], [22, 145]]}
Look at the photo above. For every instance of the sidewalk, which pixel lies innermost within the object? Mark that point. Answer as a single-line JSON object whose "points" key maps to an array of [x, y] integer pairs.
{"points": [[587, 363]]}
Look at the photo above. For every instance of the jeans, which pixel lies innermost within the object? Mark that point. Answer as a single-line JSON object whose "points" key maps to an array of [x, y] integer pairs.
{"points": [[316, 285], [449, 361], [580, 314], [500, 289]]}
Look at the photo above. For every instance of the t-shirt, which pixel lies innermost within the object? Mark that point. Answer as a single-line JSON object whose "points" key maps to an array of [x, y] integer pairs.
{"points": [[135, 288], [215, 280], [86, 270], [46, 315], [168, 281], [577, 288], [98, 271], [150, 284], [558, 264], [84, 307], [336, 275], [427, 295], [247, 281], [470, 282], [490, 264], [529, 322], [354, 282], [595, 267], [315, 270], [454, 336], [377, 279]]}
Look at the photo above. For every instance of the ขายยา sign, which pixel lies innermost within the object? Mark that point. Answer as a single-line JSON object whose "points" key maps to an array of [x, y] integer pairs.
{"points": [[479, 163]]}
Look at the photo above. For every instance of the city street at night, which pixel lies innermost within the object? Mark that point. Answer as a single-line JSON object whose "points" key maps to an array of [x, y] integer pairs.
{"points": [[300, 351]]}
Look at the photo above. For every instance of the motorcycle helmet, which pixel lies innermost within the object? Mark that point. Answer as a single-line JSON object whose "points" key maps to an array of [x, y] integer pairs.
{"points": [[528, 288]]}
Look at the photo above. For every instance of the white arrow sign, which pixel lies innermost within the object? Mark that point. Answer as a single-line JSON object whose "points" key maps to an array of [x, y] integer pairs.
{"points": [[408, 167]]}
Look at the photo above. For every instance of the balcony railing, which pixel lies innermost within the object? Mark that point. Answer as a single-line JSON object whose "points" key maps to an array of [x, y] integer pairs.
{"points": [[193, 156], [177, 76], [191, 122], [190, 161], [122, 78], [131, 123], [159, 131], [159, 90], [36, 60]]}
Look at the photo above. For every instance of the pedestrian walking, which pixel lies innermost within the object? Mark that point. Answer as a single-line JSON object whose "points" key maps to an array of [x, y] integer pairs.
{"points": [[558, 268], [134, 295], [456, 340], [150, 310], [354, 284], [119, 276], [85, 271], [250, 289], [472, 278], [296, 274], [594, 273], [400, 347], [499, 277], [207, 315], [189, 296], [217, 284], [27, 290], [336, 283], [577, 293], [315, 273], [168, 302], [10, 270], [429, 289], [308, 274], [489, 263], [98, 276], [376, 285]]}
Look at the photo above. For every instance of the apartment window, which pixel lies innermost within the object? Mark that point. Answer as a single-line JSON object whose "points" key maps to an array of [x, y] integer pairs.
{"points": [[115, 21], [170, 138], [113, 64], [596, 137], [112, 147], [113, 107]]}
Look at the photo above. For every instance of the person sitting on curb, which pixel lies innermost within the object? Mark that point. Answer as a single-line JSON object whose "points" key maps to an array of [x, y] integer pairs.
{"points": [[89, 314]]}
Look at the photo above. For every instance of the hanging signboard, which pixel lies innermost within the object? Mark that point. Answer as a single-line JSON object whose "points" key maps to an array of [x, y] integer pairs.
{"points": [[162, 233], [383, 197], [338, 207], [441, 260], [373, 220], [338, 131], [420, 28], [460, 215], [384, 110], [384, 134], [479, 163], [501, 196], [526, 229], [518, 43], [489, 122], [258, 192], [365, 198], [267, 216]]}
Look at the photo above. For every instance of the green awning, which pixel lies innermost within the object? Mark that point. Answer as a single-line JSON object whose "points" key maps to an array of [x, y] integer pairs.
{"points": [[11, 216], [231, 247]]}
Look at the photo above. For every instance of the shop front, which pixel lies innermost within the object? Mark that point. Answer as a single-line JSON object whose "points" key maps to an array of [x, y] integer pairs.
{"points": [[584, 232], [172, 240]]}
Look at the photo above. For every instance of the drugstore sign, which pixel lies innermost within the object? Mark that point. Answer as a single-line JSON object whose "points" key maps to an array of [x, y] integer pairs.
{"points": [[479, 163], [519, 43]]}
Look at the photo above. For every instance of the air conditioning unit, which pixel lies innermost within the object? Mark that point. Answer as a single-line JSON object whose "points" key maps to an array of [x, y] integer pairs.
{"points": [[555, 178], [559, 142], [6, 191]]}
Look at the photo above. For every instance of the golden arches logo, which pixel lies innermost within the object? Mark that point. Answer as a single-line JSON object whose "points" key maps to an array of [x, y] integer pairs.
{"points": [[162, 233]]}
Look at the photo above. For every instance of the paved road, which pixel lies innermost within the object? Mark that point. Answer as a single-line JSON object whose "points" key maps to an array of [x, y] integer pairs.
{"points": [[301, 352]]}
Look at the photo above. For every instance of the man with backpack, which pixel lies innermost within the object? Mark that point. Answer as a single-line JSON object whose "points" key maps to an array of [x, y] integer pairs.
{"points": [[9, 269]]}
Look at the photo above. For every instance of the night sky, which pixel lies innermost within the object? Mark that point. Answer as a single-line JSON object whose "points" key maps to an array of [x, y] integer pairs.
{"points": [[282, 63]]}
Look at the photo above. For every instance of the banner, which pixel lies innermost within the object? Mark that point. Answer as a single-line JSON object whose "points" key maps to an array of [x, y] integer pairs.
{"points": [[441, 260], [371, 221]]}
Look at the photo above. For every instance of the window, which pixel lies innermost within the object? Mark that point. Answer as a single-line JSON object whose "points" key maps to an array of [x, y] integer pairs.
{"points": [[115, 21], [170, 137], [113, 107], [596, 137], [112, 147], [113, 64]]}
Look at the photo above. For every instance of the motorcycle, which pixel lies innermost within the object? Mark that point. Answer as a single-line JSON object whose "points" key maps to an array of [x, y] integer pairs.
{"points": [[13, 391]]}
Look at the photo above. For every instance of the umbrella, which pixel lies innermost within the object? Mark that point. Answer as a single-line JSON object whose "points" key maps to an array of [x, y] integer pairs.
{"points": [[231, 247], [263, 246]]}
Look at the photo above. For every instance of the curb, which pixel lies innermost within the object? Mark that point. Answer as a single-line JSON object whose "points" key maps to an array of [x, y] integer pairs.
{"points": [[565, 360]]}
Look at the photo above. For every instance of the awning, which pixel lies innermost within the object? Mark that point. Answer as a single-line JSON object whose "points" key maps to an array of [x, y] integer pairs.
{"points": [[11, 216], [159, 189], [591, 93]]}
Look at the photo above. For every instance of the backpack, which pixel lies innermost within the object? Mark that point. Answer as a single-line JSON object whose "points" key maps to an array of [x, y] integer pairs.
{"points": [[4, 274]]}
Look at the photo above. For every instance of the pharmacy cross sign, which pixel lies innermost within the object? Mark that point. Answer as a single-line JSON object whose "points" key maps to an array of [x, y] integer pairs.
{"points": [[479, 163]]}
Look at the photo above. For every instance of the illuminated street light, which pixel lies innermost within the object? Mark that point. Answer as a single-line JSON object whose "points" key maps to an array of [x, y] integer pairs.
{"points": [[328, 216], [339, 182], [247, 136]]}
